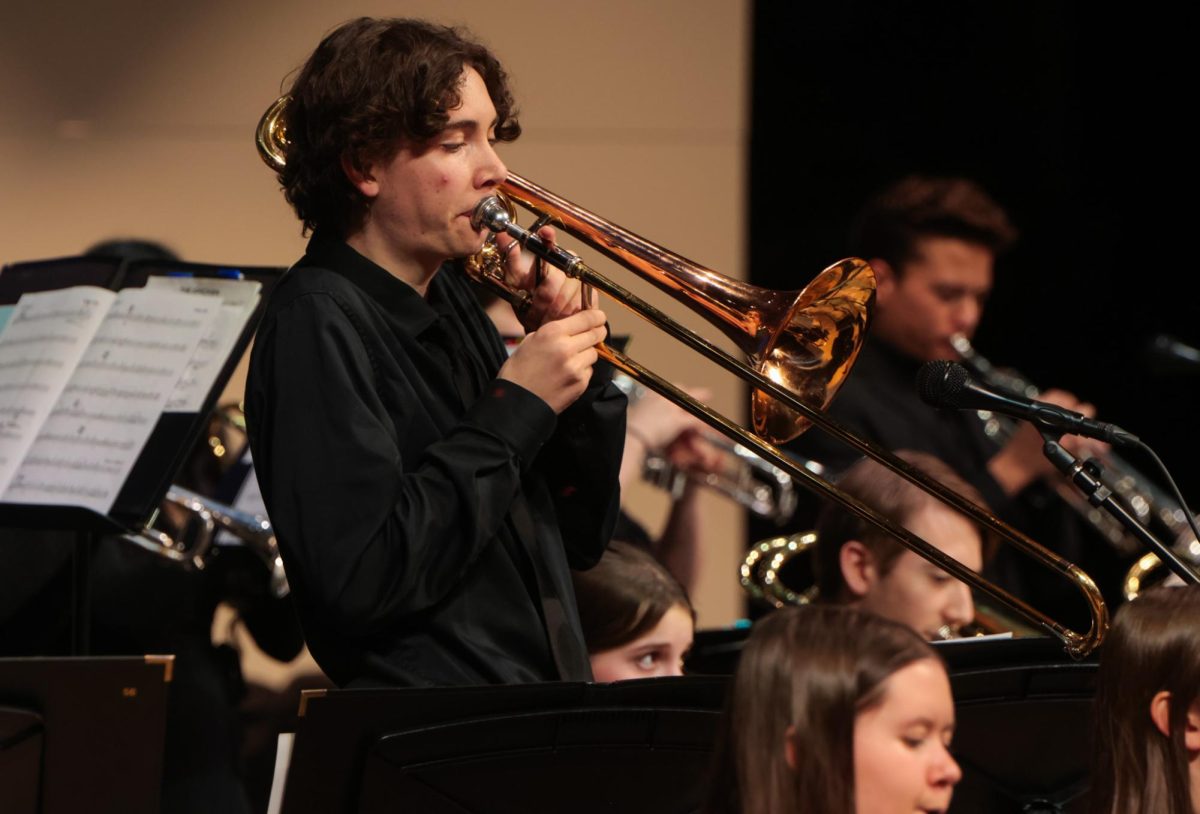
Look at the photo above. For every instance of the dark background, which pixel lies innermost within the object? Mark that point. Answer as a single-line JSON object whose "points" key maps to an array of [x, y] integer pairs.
{"points": [[1071, 117]]}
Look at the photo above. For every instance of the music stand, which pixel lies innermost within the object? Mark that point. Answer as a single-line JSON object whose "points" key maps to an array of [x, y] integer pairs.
{"points": [[83, 734], [1024, 729], [529, 748], [172, 438]]}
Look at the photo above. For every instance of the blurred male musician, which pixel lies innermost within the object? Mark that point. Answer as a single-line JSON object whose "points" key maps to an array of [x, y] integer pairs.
{"points": [[932, 243], [429, 492], [857, 564]]}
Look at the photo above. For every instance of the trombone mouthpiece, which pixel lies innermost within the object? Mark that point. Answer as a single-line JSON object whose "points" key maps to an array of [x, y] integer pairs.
{"points": [[490, 214]]}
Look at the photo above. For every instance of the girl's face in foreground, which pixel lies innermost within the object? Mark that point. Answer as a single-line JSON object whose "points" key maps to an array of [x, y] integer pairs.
{"points": [[902, 761], [659, 652]]}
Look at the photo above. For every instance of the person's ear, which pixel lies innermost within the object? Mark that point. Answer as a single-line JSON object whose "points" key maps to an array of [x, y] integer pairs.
{"points": [[1160, 712], [885, 279], [859, 571], [362, 176]]}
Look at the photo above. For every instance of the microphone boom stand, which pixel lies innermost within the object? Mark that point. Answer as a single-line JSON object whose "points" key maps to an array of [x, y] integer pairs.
{"points": [[1086, 476]]}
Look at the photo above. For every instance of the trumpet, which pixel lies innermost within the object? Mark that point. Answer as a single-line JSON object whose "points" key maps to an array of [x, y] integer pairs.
{"points": [[1150, 505], [200, 521], [800, 347], [204, 519], [765, 490], [748, 480]]}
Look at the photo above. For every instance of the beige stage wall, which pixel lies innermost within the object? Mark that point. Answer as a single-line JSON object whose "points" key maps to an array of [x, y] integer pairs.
{"points": [[135, 118]]}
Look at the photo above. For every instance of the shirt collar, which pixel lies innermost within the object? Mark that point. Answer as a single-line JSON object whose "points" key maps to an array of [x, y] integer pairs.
{"points": [[396, 297]]}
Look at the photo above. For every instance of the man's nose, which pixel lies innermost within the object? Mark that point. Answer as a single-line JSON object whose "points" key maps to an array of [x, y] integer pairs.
{"points": [[968, 314], [493, 170]]}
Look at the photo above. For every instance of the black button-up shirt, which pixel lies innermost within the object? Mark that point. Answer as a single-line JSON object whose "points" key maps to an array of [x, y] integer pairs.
{"points": [[427, 512]]}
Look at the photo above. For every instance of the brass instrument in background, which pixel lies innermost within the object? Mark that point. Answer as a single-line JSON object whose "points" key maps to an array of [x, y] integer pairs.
{"points": [[196, 521], [202, 520], [765, 490], [754, 484], [800, 346], [761, 578], [759, 572], [1147, 571], [1149, 504]]}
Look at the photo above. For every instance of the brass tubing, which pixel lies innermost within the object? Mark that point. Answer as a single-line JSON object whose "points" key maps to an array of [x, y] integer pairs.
{"points": [[604, 237], [1078, 645]]}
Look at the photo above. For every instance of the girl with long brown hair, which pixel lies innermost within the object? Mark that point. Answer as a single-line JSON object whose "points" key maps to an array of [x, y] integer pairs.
{"points": [[1147, 744], [834, 711]]}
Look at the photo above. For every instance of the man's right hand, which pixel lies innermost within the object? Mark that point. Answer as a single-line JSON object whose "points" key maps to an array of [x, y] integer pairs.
{"points": [[555, 361], [1021, 461]]}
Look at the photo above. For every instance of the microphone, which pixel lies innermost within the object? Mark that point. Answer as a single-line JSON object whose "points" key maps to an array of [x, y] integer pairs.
{"points": [[948, 384]]}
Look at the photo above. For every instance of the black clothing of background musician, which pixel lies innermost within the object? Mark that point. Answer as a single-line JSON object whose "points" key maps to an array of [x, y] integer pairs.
{"points": [[427, 511], [879, 402], [933, 243]]}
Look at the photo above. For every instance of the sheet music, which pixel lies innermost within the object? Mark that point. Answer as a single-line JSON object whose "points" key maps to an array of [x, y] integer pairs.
{"points": [[112, 402], [42, 342], [238, 301]]}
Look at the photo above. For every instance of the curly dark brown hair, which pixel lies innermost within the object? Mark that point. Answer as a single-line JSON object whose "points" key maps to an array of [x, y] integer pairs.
{"points": [[890, 225], [370, 86]]}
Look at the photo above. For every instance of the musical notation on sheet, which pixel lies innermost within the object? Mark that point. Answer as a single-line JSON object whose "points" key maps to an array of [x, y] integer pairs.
{"points": [[41, 345], [238, 301], [104, 410]]}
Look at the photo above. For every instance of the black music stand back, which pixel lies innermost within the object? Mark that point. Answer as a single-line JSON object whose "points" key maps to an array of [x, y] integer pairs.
{"points": [[641, 745], [82, 734], [1024, 731]]}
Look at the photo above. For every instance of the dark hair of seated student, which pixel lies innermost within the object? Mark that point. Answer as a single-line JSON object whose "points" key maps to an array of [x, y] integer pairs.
{"points": [[637, 619], [1146, 748]]}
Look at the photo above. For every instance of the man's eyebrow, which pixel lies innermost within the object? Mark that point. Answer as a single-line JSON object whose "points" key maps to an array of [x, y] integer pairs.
{"points": [[468, 125]]}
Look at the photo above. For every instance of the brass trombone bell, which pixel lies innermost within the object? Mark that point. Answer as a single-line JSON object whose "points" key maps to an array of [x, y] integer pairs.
{"points": [[770, 330], [803, 341]]}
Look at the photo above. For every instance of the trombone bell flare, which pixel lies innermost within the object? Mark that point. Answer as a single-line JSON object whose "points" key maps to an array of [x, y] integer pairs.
{"points": [[812, 353], [806, 341]]}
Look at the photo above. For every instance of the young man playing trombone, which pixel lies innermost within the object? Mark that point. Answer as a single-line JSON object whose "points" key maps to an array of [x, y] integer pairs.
{"points": [[429, 492]]}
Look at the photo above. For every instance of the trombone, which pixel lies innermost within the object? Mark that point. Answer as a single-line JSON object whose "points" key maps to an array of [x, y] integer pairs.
{"points": [[800, 347]]}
